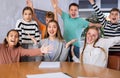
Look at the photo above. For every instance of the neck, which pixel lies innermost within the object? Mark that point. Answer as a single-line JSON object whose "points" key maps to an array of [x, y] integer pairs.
{"points": [[90, 44], [10, 46], [52, 38]]}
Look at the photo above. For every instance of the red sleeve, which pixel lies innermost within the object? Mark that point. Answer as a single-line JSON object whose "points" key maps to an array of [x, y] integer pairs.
{"points": [[30, 52]]}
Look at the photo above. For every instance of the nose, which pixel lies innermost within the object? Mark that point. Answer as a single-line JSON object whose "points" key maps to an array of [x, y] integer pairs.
{"points": [[13, 37]]}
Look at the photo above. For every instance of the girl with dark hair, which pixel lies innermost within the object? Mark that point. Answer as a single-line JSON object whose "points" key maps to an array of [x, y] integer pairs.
{"points": [[95, 49], [26, 26], [11, 51]]}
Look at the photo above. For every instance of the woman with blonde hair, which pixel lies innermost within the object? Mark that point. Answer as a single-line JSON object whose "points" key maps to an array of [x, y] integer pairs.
{"points": [[95, 49]]}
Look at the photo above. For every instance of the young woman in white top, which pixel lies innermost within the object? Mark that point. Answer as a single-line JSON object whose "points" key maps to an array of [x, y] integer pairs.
{"points": [[95, 49]]}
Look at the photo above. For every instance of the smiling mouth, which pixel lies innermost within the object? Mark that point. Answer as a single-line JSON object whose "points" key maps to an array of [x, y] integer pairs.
{"points": [[12, 41], [51, 32], [73, 15], [114, 19]]}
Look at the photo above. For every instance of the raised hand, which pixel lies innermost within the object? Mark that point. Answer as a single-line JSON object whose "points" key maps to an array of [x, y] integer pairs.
{"points": [[70, 42], [54, 3], [29, 3], [92, 1], [46, 48]]}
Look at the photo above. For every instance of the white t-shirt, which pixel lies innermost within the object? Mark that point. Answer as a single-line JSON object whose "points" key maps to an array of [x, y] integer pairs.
{"points": [[96, 56]]}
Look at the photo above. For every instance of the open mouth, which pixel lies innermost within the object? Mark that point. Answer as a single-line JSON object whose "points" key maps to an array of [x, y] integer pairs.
{"points": [[12, 41], [113, 19], [73, 15], [51, 32]]}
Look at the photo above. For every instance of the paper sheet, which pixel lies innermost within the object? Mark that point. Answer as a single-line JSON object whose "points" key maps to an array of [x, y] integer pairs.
{"points": [[49, 65], [87, 77], [49, 75]]}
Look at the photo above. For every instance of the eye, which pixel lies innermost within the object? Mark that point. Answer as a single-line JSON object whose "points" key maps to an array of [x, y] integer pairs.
{"points": [[11, 35], [30, 14]]}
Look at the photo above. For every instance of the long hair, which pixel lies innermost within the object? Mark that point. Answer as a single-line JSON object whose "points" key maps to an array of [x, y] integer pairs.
{"points": [[98, 30], [58, 33], [6, 42]]}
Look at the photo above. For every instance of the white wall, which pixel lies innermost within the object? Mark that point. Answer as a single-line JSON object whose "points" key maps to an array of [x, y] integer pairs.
{"points": [[11, 10]]}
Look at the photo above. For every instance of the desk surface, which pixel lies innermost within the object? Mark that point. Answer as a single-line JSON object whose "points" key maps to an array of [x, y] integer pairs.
{"points": [[20, 70]]}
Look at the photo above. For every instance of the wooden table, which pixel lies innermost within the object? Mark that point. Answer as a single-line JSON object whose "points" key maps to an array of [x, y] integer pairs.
{"points": [[20, 70]]}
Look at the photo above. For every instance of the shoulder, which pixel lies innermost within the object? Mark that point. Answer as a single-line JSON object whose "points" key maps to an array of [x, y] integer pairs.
{"points": [[19, 20], [34, 22], [64, 14]]}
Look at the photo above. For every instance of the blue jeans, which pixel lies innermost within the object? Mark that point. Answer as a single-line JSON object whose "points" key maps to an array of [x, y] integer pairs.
{"points": [[76, 52]]}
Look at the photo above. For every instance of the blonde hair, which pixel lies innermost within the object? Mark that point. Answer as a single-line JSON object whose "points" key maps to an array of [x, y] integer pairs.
{"points": [[98, 30]]}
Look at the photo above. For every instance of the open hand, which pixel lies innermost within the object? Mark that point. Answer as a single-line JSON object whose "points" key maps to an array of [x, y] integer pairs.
{"points": [[46, 48], [54, 3], [29, 3], [92, 1], [70, 42]]}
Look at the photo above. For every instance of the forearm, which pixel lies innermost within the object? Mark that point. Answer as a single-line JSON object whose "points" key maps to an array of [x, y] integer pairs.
{"points": [[99, 13], [95, 24], [55, 13], [31, 52], [59, 11]]}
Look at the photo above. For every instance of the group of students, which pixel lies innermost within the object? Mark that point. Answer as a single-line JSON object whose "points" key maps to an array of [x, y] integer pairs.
{"points": [[54, 47]]}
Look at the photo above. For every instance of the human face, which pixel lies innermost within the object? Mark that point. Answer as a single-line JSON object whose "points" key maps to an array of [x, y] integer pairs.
{"points": [[48, 19], [91, 36], [114, 17], [52, 29], [73, 11], [12, 38], [27, 15]]}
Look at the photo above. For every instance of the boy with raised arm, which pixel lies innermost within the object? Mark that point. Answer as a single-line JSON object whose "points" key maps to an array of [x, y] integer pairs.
{"points": [[73, 25], [112, 27]]}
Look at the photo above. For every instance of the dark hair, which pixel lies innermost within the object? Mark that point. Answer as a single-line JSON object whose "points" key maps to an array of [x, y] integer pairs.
{"points": [[50, 14], [6, 42], [58, 33], [115, 9], [27, 8], [73, 4], [98, 30]]}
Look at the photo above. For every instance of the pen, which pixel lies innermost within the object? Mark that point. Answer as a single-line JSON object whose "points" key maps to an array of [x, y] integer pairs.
{"points": [[68, 75]]}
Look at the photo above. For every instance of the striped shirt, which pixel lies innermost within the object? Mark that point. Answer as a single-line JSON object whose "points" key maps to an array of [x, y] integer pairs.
{"points": [[24, 28], [110, 29]]}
